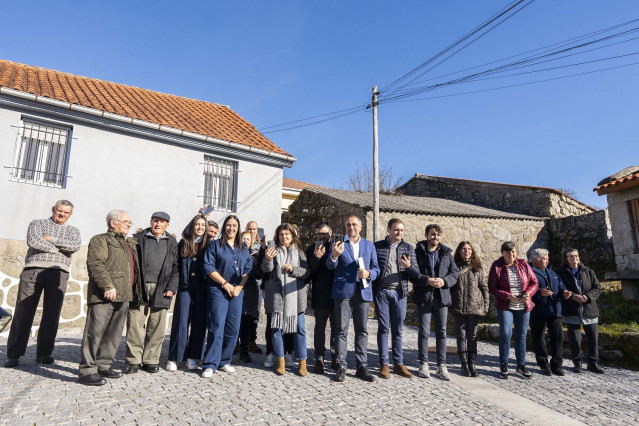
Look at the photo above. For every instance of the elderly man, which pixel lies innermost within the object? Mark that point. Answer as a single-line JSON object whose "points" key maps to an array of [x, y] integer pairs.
{"points": [[397, 264], [354, 261], [114, 274], [51, 243], [146, 321]]}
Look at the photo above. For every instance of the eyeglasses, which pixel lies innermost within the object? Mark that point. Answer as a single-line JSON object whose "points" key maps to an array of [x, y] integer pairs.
{"points": [[125, 222]]}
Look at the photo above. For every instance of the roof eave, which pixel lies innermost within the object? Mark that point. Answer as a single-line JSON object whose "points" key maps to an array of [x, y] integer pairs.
{"points": [[145, 124]]}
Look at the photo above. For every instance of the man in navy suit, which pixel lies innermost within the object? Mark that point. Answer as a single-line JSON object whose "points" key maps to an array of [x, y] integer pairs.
{"points": [[352, 294]]}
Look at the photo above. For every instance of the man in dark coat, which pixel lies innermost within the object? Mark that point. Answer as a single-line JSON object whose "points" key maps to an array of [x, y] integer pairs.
{"points": [[437, 274], [146, 321]]}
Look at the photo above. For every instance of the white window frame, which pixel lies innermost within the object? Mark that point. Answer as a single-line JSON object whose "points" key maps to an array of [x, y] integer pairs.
{"points": [[220, 183], [41, 154]]}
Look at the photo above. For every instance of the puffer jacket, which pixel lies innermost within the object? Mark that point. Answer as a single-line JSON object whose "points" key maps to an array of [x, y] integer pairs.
{"points": [[590, 287], [470, 295], [383, 249], [499, 283], [109, 267]]}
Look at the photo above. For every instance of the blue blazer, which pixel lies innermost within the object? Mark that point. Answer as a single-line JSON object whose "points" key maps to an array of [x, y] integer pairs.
{"points": [[346, 270]]}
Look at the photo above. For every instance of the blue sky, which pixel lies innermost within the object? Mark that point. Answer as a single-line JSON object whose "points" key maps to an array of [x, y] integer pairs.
{"points": [[277, 61]]}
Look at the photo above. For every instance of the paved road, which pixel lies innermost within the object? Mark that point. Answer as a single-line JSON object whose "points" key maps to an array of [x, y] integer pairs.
{"points": [[36, 394]]}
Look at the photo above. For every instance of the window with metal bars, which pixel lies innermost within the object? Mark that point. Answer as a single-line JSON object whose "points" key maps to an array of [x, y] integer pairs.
{"points": [[220, 183], [41, 154], [634, 210]]}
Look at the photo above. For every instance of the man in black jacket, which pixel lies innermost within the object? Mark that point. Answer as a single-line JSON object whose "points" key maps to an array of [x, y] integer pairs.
{"points": [[146, 320], [437, 274], [397, 263], [321, 301]]}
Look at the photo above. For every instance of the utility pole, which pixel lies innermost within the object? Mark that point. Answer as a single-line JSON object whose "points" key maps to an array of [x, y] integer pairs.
{"points": [[375, 170]]}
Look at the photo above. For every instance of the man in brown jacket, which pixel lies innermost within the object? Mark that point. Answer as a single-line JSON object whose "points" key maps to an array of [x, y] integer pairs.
{"points": [[114, 275]]}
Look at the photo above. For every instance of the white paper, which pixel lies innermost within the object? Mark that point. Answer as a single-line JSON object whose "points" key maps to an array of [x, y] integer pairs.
{"points": [[360, 263]]}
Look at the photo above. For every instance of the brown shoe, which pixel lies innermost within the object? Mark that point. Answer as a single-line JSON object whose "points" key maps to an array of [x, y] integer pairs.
{"points": [[302, 369], [402, 371], [279, 366], [253, 348], [319, 367], [384, 372]]}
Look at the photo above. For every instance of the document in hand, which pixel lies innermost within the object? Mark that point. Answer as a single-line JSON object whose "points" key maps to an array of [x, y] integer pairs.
{"points": [[360, 263]]}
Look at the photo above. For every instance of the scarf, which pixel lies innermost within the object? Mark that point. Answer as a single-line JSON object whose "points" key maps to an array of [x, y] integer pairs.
{"points": [[287, 319]]}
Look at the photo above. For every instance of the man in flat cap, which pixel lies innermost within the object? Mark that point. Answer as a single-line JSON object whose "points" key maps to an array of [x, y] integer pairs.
{"points": [[146, 321]]}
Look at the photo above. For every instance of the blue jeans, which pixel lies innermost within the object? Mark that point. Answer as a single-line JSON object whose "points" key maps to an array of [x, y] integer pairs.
{"points": [[391, 312], [299, 337], [223, 316], [506, 319]]}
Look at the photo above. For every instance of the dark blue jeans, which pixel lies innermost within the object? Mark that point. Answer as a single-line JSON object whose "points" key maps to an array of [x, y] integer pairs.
{"points": [[520, 319], [223, 316], [391, 312], [299, 337], [189, 310]]}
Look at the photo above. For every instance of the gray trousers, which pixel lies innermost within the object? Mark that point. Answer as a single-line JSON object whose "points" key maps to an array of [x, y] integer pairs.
{"points": [[357, 308], [102, 334], [424, 313], [592, 339], [33, 282], [145, 329]]}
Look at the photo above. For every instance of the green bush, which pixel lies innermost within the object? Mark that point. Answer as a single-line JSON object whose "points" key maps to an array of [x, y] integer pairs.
{"points": [[615, 313]]}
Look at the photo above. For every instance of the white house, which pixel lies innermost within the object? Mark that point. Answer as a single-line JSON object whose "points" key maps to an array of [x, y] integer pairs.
{"points": [[107, 146]]}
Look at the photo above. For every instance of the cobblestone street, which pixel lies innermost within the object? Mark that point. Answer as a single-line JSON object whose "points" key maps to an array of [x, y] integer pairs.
{"points": [[38, 394]]}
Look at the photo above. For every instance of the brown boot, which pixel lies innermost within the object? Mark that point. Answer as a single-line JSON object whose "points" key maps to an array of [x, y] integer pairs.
{"points": [[402, 371], [384, 372], [302, 369], [280, 367], [319, 367]]}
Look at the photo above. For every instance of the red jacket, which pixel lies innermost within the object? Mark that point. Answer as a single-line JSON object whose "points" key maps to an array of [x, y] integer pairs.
{"points": [[499, 285]]}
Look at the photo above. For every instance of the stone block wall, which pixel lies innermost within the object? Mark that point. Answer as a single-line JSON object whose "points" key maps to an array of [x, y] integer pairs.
{"points": [[626, 246], [526, 200], [590, 234]]}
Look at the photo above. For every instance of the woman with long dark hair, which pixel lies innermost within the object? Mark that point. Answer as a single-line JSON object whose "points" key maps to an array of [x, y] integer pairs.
{"points": [[285, 294], [470, 301], [190, 304], [227, 264]]}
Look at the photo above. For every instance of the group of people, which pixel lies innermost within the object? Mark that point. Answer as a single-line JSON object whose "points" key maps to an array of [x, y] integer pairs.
{"points": [[219, 276]]}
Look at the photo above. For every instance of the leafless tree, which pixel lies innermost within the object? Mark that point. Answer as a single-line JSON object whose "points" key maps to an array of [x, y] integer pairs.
{"points": [[362, 179]]}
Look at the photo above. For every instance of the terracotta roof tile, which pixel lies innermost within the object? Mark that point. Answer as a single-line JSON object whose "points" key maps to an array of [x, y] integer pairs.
{"points": [[297, 184], [192, 115], [615, 185]]}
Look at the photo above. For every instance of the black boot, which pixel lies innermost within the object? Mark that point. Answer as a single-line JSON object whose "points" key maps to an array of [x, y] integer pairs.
{"points": [[472, 356], [463, 362]]}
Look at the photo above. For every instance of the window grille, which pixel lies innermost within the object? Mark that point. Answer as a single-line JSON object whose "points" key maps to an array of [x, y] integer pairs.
{"points": [[41, 154], [220, 183]]}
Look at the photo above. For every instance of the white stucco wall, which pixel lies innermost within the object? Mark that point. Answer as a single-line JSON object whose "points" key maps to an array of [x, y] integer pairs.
{"points": [[113, 170]]}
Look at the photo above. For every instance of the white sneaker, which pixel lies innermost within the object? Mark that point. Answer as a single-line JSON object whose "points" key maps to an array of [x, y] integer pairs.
{"points": [[423, 369], [191, 364], [268, 361], [207, 373], [442, 372], [288, 360], [227, 368], [171, 366]]}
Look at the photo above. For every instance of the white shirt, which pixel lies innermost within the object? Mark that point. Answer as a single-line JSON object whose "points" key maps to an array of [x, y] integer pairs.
{"points": [[354, 245]]}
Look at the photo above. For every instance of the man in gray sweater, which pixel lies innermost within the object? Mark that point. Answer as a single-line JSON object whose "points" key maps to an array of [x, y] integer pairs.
{"points": [[48, 262]]}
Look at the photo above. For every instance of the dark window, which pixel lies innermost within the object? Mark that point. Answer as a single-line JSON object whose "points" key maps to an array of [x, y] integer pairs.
{"points": [[634, 211]]}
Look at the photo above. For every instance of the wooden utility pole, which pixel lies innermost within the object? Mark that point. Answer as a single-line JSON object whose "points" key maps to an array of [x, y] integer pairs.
{"points": [[376, 236]]}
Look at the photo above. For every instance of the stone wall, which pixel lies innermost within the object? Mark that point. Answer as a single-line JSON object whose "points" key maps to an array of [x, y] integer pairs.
{"points": [[527, 200], [590, 234], [485, 234], [626, 246]]}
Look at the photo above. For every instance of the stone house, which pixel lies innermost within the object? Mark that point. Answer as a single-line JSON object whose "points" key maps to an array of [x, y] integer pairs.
{"points": [[107, 146], [486, 228], [622, 191], [291, 188]]}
